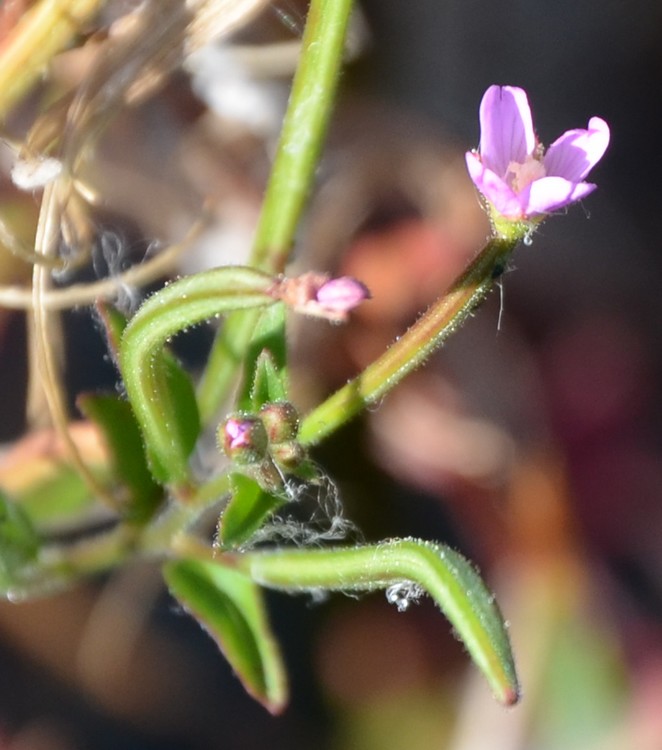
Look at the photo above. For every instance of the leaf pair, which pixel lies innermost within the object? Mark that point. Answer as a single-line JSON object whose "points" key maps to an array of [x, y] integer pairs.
{"points": [[224, 595]]}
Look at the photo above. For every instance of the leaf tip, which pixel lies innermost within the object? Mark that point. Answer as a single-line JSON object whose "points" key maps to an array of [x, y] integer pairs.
{"points": [[510, 694]]}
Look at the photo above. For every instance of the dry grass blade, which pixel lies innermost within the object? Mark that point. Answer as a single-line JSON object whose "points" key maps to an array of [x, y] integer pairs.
{"points": [[20, 298], [140, 51], [45, 29]]}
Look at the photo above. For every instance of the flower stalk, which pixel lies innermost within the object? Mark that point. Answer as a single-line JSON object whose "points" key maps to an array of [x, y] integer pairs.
{"points": [[417, 344]]}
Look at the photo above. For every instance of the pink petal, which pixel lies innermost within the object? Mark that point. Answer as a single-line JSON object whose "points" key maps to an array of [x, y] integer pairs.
{"points": [[342, 294], [506, 128], [497, 192], [576, 152], [551, 193]]}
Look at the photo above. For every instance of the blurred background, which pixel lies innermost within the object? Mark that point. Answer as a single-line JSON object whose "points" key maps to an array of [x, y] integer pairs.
{"points": [[532, 442]]}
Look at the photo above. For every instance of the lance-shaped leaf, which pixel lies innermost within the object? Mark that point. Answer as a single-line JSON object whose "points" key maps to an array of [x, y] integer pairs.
{"points": [[19, 544], [178, 392], [114, 323], [231, 608], [247, 510], [401, 567], [120, 429], [266, 361], [36, 474], [153, 388], [268, 381]]}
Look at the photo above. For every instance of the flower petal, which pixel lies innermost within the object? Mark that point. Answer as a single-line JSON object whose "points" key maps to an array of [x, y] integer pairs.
{"points": [[576, 152], [551, 193], [506, 128], [497, 192]]}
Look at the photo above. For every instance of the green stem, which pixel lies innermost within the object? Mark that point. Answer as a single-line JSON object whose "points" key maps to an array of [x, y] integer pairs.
{"points": [[159, 538], [414, 347], [59, 566], [304, 129], [226, 356]]}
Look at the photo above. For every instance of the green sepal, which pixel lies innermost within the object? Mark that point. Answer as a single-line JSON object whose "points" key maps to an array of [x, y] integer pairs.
{"points": [[250, 505], [117, 422], [231, 608], [19, 544]]}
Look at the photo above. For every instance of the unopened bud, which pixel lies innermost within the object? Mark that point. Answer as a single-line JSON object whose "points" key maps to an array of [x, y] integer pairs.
{"points": [[280, 420], [269, 476], [338, 296], [243, 439], [316, 294], [288, 455]]}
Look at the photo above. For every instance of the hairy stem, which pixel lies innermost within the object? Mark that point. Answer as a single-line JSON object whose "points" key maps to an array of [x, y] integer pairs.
{"points": [[308, 112], [414, 347]]}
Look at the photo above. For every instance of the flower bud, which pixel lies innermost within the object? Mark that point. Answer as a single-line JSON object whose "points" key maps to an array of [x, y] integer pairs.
{"points": [[288, 455], [280, 420], [243, 439], [315, 294], [269, 476], [338, 296]]}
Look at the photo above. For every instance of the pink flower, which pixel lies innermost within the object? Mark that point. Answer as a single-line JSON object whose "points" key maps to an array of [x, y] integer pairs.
{"points": [[243, 439], [238, 433], [514, 173]]}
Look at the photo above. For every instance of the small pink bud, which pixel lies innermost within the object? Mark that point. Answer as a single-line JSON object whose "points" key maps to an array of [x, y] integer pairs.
{"points": [[243, 439], [280, 420], [339, 296], [315, 294], [288, 455]]}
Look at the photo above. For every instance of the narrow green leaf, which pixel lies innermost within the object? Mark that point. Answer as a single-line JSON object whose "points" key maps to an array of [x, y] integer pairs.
{"points": [[161, 396], [266, 361], [400, 567], [120, 429], [247, 510], [178, 392], [180, 417], [19, 543], [59, 499], [114, 323], [231, 608], [268, 382]]}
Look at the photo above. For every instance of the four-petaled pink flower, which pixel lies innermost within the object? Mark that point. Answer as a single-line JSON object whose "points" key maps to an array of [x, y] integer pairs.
{"points": [[511, 169]]}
